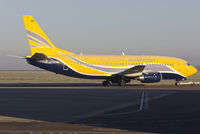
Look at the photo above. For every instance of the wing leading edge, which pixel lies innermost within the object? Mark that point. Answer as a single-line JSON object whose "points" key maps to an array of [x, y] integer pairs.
{"points": [[132, 72]]}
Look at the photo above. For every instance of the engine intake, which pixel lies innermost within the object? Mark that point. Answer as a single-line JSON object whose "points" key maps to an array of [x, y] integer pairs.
{"points": [[150, 77]]}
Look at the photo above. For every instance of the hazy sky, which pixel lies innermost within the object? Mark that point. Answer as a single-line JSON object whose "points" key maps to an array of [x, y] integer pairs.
{"points": [[136, 27]]}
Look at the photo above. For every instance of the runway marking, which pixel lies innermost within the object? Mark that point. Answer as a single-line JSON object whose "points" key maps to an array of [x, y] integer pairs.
{"points": [[117, 107], [90, 87], [135, 111], [105, 88], [146, 101]]}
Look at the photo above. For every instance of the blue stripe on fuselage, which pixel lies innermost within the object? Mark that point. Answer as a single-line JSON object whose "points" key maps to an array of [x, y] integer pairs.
{"points": [[60, 68]]}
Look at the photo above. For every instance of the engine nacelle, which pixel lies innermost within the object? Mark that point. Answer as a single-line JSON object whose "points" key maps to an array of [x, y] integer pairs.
{"points": [[150, 77]]}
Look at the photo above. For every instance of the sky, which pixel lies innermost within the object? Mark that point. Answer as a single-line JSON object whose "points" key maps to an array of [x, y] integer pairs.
{"points": [[135, 27]]}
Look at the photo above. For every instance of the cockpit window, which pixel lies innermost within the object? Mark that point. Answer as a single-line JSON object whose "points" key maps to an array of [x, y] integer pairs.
{"points": [[188, 64]]}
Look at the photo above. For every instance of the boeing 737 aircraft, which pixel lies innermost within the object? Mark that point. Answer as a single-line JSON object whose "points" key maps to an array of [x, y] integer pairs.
{"points": [[119, 69]]}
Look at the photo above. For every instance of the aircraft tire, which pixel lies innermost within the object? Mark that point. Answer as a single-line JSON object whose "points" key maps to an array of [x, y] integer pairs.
{"points": [[122, 83], [177, 84], [106, 83]]}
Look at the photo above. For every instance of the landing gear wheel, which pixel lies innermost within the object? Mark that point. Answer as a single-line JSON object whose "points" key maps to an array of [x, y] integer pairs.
{"points": [[177, 83], [106, 83], [122, 83]]}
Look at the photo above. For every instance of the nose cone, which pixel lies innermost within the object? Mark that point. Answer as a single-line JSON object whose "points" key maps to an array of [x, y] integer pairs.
{"points": [[193, 70]]}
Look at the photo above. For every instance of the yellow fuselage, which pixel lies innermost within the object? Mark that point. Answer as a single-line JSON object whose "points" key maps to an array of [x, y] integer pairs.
{"points": [[88, 64]]}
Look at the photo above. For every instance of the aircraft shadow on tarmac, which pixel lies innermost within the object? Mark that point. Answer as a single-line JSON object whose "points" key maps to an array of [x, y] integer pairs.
{"points": [[177, 112]]}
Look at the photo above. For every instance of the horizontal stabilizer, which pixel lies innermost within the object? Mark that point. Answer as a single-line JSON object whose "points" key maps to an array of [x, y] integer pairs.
{"points": [[39, 56], [16, 56]]}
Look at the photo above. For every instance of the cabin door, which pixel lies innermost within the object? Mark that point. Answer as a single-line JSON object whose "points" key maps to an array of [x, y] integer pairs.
{"points": [[179, 66]]}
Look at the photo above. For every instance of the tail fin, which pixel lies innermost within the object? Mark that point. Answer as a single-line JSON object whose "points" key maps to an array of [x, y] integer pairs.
{"points": [[38, 40]]}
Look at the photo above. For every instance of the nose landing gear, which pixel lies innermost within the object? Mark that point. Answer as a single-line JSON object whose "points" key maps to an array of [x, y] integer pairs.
{"points": [[177, 83]]}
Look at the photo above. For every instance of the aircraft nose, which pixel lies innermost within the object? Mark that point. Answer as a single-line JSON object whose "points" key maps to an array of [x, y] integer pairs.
{"points": [[193, 70]]}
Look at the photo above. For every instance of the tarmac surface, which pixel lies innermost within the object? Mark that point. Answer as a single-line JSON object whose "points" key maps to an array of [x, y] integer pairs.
{"points": [[90, 108]]}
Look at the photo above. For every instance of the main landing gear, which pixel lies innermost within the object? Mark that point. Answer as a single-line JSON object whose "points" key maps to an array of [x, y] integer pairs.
{"points": [[121, 82], [106, 83]]}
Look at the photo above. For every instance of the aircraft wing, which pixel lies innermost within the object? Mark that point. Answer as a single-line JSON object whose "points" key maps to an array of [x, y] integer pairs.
{"points": [[132, 72]]}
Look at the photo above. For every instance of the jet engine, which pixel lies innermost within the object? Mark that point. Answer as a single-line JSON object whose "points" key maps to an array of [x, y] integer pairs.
{"points": [[150, 77]]}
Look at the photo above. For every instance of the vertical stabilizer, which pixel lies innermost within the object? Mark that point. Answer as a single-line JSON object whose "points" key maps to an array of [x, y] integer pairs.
{"points": [[39, 42]]}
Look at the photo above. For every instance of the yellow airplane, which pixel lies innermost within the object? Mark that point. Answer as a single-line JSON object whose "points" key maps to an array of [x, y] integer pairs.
{"points": [[119, 69]]}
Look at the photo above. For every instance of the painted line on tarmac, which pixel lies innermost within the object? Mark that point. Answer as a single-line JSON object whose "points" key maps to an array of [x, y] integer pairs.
{"points": [[135, 111], [143, 105], [169, 88], [117, 107]]}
